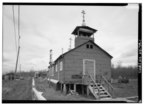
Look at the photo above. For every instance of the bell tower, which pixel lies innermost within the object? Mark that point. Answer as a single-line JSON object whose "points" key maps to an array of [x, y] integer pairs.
{"points": [[83, 33]]}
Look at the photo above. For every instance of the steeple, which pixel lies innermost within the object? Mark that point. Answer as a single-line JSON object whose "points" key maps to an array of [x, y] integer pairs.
{"points": [[83, 33]]}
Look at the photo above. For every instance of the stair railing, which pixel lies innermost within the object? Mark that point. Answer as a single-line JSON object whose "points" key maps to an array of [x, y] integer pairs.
{"points": [[108, 85], [94, 84]]}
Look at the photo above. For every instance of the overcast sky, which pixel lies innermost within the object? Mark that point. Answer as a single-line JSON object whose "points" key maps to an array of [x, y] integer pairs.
{"points": [[49, 27]]}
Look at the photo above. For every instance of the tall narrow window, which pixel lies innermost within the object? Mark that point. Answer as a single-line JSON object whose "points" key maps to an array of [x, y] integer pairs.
{"points": [[52, 71], [61, 66], [87, 46], [56, 67], [91, 46]]}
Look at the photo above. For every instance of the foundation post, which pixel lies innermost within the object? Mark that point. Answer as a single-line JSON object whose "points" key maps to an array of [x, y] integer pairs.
{"points": [[82, 89], [75, 87], [61, 87], [69, 87], [87, 90], [64, 88]]}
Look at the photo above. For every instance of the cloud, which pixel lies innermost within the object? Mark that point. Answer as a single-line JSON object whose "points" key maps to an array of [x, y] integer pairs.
{"points": [[8, 56], [6, 59], [129, 53], [38, 63]]}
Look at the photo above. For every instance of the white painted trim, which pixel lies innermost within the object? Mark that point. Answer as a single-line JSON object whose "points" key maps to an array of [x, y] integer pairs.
{"points": [[94, 66], [37, 94], [61, 66], [53, 80]]}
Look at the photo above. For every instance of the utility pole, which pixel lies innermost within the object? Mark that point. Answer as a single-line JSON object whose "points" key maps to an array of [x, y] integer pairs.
{"points": [[17, 59], [18, 39]]}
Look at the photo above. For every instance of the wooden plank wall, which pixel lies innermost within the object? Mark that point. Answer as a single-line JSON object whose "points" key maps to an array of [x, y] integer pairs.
{"points": [[73, 63]]}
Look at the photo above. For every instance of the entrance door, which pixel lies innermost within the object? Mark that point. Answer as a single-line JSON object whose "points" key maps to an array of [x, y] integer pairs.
{"points": [[89, 67]]}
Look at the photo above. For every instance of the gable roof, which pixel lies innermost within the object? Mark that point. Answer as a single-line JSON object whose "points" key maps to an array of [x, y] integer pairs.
{"points": [[62, 55]]}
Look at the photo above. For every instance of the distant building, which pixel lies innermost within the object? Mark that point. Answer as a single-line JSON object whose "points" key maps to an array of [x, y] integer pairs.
{"points": [[87, 58], [9, 76]]}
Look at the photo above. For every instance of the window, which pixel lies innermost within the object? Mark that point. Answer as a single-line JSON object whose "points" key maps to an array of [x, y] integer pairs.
{"points": [[87, 45], [52, 69], [56, 67], [61, 66], [91, 46]]}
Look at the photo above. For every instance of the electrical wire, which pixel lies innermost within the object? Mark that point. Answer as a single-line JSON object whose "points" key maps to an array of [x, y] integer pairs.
{"points": [[19, 24], [19, 34], [14, 27]]}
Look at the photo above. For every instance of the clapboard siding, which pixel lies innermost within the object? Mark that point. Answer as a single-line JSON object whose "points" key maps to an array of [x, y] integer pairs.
{"points": [[60, 73], [73, 63]]}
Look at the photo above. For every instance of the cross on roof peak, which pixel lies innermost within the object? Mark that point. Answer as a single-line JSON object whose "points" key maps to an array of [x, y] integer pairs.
{"points": [[83, 12], [83, 22]]}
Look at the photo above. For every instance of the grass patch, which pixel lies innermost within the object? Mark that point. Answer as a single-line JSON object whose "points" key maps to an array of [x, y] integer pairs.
{"points": [[51, 94], [126, 90]]}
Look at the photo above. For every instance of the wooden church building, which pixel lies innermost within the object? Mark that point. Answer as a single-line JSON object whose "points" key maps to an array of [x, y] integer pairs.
{"points": [[86, 62]]}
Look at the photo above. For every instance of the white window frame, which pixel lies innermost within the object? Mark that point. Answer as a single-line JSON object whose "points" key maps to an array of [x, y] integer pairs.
{"points": [[61, 66], [84, 60]]}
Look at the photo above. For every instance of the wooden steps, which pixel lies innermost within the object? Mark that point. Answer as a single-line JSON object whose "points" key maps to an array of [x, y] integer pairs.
{"points": [[99, 91]]}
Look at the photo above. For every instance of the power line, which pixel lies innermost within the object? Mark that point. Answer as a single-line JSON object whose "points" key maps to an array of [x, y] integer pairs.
{"points": [[14, 27], [19, 31], [19, 24]]}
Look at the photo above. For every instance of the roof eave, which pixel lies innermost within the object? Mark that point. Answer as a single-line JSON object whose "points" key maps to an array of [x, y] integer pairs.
{"points": [[74, 32]]}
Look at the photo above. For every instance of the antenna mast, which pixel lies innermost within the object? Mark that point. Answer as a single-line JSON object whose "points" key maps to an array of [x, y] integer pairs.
{"points": [[50, 62], [70, 43], [62, 50]]}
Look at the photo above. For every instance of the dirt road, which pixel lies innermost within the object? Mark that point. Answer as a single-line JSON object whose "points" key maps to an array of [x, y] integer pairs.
{"points": [[17, 89]]}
